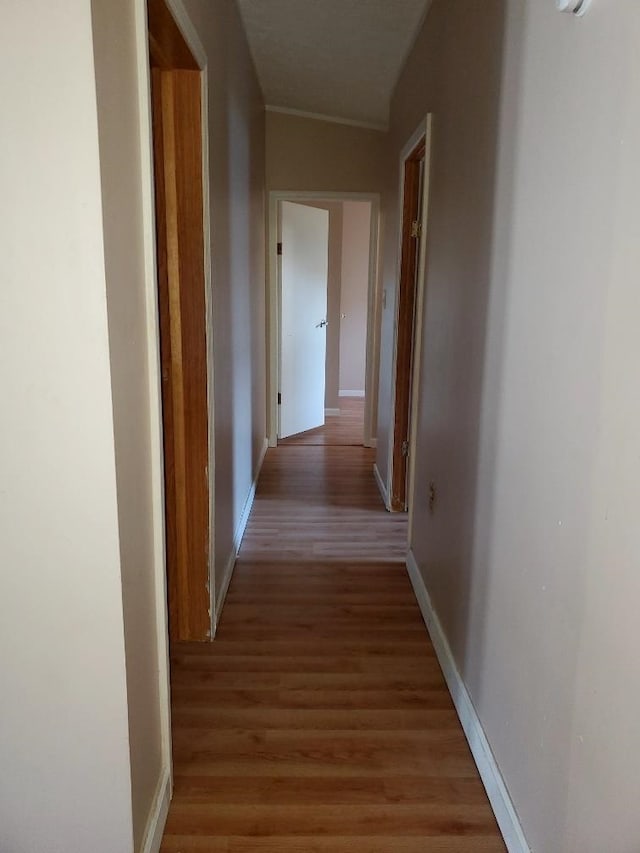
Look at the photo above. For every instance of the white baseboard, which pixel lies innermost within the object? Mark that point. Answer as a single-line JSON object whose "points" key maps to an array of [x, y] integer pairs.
{"points": [[237, 536], [158, 816], [381, 485], [350, 393], [226, 580], [492, 780], [331, 413]]}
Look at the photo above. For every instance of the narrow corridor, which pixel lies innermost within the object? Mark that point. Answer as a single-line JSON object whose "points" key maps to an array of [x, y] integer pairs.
{"points": [[345, 429], [319, 721]]}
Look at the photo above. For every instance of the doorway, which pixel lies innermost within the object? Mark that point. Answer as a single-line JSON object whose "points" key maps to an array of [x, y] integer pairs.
{"points": [[415, 172], [304, 286], [345, 410], [179, 168]]}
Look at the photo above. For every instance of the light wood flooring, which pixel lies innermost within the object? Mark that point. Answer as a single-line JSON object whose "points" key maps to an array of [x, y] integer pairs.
{"points": [[318, 721], [344, 429]]}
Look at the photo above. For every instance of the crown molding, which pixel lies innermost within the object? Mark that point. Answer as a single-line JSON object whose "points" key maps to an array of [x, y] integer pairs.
{"points": [[383, 128]]}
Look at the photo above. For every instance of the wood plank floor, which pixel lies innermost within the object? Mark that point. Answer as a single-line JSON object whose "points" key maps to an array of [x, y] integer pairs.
{"points": [[318, 721], [341, 430]]}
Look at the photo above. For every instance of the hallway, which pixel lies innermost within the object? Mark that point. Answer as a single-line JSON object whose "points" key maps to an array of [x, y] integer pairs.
{"points": [[318, 721], [344, 429]]}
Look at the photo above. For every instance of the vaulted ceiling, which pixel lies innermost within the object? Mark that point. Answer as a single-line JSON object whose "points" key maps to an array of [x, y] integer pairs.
{"points": [[338, 58]]}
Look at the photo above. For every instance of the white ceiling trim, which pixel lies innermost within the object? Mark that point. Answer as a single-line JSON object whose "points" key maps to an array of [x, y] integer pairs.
{"points": [[270, 108]]}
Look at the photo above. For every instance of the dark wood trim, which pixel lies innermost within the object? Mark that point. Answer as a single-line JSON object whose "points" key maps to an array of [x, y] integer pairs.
{"points": [[411, 212], [168, 49], [177, 144]]}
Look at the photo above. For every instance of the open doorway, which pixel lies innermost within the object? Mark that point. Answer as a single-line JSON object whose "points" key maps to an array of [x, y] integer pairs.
{"points": [[344, 407], [352, 331], [304, 286], [415, 173]]}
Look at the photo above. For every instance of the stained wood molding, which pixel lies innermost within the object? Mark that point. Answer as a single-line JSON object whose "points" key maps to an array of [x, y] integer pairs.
{"points": [[168, 48], [409, 256], [178, 156]]}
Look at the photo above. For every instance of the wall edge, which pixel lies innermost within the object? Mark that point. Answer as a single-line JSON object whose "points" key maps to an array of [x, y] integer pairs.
{"points": [[158, 815], [237, 537], [501, 803]]}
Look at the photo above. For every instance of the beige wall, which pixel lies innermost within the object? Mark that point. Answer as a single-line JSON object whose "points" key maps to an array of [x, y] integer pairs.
{"points": [[135, 399], [64, 745], [356, 234], [332, 374], [237, 158], [308, 154], [529, 416]]}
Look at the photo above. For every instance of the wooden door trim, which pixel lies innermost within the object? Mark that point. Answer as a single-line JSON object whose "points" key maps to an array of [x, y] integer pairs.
{"points": [[174, 42], [419, 327], [168, 49], [405, 314], [408, 317], [180, 99]]}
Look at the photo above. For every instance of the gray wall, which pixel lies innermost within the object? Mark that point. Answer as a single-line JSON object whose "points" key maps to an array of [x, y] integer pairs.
{"points": [[237, 163], [334, 288], [354, 294], [529, 413]]}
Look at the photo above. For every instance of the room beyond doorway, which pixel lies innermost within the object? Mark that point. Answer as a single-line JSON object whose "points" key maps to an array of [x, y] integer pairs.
{"points": [[343, 429], [324, 253], [351, 321]]}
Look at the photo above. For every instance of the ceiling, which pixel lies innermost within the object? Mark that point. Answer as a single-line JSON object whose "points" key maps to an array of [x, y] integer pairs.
{"points": [[338, 58]]}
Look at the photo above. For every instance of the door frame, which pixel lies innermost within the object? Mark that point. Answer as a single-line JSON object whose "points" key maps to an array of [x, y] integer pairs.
{"points": [[147, 192], [424, 130], [190, 582], [273, 305]]}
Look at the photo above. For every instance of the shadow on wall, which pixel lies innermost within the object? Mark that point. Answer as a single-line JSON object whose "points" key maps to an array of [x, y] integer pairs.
{"points": [[519, 631], [512, 352], [462, 215], [492, 305], [242, 397], [476, 125], [236, 186]]}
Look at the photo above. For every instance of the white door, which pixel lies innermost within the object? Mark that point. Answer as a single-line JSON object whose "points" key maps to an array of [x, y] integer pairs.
{"points": [[304, 268]]}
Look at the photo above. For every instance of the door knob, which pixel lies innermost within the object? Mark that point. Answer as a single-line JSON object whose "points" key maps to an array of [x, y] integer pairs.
{"points": [[321, 324]]}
